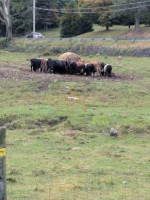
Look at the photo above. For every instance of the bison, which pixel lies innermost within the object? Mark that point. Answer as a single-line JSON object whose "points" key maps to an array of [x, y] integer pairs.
{"points": [[43, 66], [102, 64], [57, 66], [35, 64], [80, 68], [72, 67], [107, 70], [89, 69], [97, 66]]}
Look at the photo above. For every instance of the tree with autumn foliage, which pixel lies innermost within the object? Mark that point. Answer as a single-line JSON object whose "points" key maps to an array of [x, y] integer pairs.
{"points": [[100, 11]]}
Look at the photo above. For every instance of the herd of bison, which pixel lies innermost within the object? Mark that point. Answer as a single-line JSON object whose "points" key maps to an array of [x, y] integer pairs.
{"points": [[73, 68]]}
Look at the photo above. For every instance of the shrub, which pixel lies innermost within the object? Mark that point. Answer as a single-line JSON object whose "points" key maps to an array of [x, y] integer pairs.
{"points": [[73, 25]]}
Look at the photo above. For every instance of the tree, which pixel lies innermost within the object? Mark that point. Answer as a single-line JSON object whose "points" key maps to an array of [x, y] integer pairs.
{"points": [[103, 15], [62, 3], [106, 19], [84, 24], [126, 19], [74, 24], [133, 7], [22, 16], [45, 17], [5, 17], [69, 23], [146, 17]]}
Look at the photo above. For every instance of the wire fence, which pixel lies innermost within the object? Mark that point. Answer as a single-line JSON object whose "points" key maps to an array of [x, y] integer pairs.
{"points": [[83, 185], [115, 39]]}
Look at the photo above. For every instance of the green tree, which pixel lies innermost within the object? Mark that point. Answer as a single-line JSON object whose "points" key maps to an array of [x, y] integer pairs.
{"points": [[134, 7], [74, 24], [69, 23], [103, 15], [85, 24], [45, 17], [146, 17], [124, 18], [62, 3], [2, 29], [106, 19], [22, 16]]}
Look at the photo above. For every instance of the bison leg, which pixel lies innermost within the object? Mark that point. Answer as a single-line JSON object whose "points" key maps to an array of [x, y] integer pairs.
{"points": [[31, 67]]}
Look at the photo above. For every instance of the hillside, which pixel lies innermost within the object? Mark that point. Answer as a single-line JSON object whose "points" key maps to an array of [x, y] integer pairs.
{"points": [[99, 31], [118, 31]]}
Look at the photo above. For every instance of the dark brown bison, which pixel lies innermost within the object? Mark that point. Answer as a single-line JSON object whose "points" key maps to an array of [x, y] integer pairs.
{"points": [[57, 66], [35, 64]]}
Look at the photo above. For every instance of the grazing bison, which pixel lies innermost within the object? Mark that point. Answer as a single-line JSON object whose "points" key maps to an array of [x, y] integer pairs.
{"points": [[35, 64], [80, 68], [102, 64], [107, 70], [72, 67], [97, 66], [89, 69], [57, 66], [43, 66], [50, 64]]}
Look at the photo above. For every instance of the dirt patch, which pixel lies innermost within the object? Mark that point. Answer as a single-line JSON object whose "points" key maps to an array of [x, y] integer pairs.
{"points": [[140, 34], [52, 122], [72, 133], [21, 73]]}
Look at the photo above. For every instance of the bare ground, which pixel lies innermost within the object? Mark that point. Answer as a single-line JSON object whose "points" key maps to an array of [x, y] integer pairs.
{"points": [[21, 73], [140, 34]]}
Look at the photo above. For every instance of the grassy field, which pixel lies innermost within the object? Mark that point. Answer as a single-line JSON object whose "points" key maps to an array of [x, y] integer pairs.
{"points": [[117, 31], [99, 31], [61, 149], [52, 33]]}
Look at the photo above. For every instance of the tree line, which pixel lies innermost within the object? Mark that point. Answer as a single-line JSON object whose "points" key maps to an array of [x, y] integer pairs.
{"points": [[74, 16]]}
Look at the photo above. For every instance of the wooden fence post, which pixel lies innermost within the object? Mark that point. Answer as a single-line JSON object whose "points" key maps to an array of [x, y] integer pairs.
{"points": [[3, 195]]}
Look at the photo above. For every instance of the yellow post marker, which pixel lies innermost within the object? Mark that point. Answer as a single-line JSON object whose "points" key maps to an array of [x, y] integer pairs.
{"points": [[2, 152]]}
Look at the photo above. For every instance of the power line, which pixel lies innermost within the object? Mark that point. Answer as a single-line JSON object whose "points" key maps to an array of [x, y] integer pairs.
{"points": [[87, 12], [90, 12], [106, 6], [23, 13], [115, 5]]}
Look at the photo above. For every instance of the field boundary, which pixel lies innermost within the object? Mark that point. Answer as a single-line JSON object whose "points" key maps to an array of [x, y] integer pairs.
{"points": [[116, 39]]}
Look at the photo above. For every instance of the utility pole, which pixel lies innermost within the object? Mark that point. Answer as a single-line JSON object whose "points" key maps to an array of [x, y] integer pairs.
{"points": [[3, 195], [33, 19]]}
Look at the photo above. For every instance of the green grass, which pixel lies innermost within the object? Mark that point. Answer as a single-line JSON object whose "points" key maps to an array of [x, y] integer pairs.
{"points": [[99, 31], [115, 31], [61, 149], [52, 33]]}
